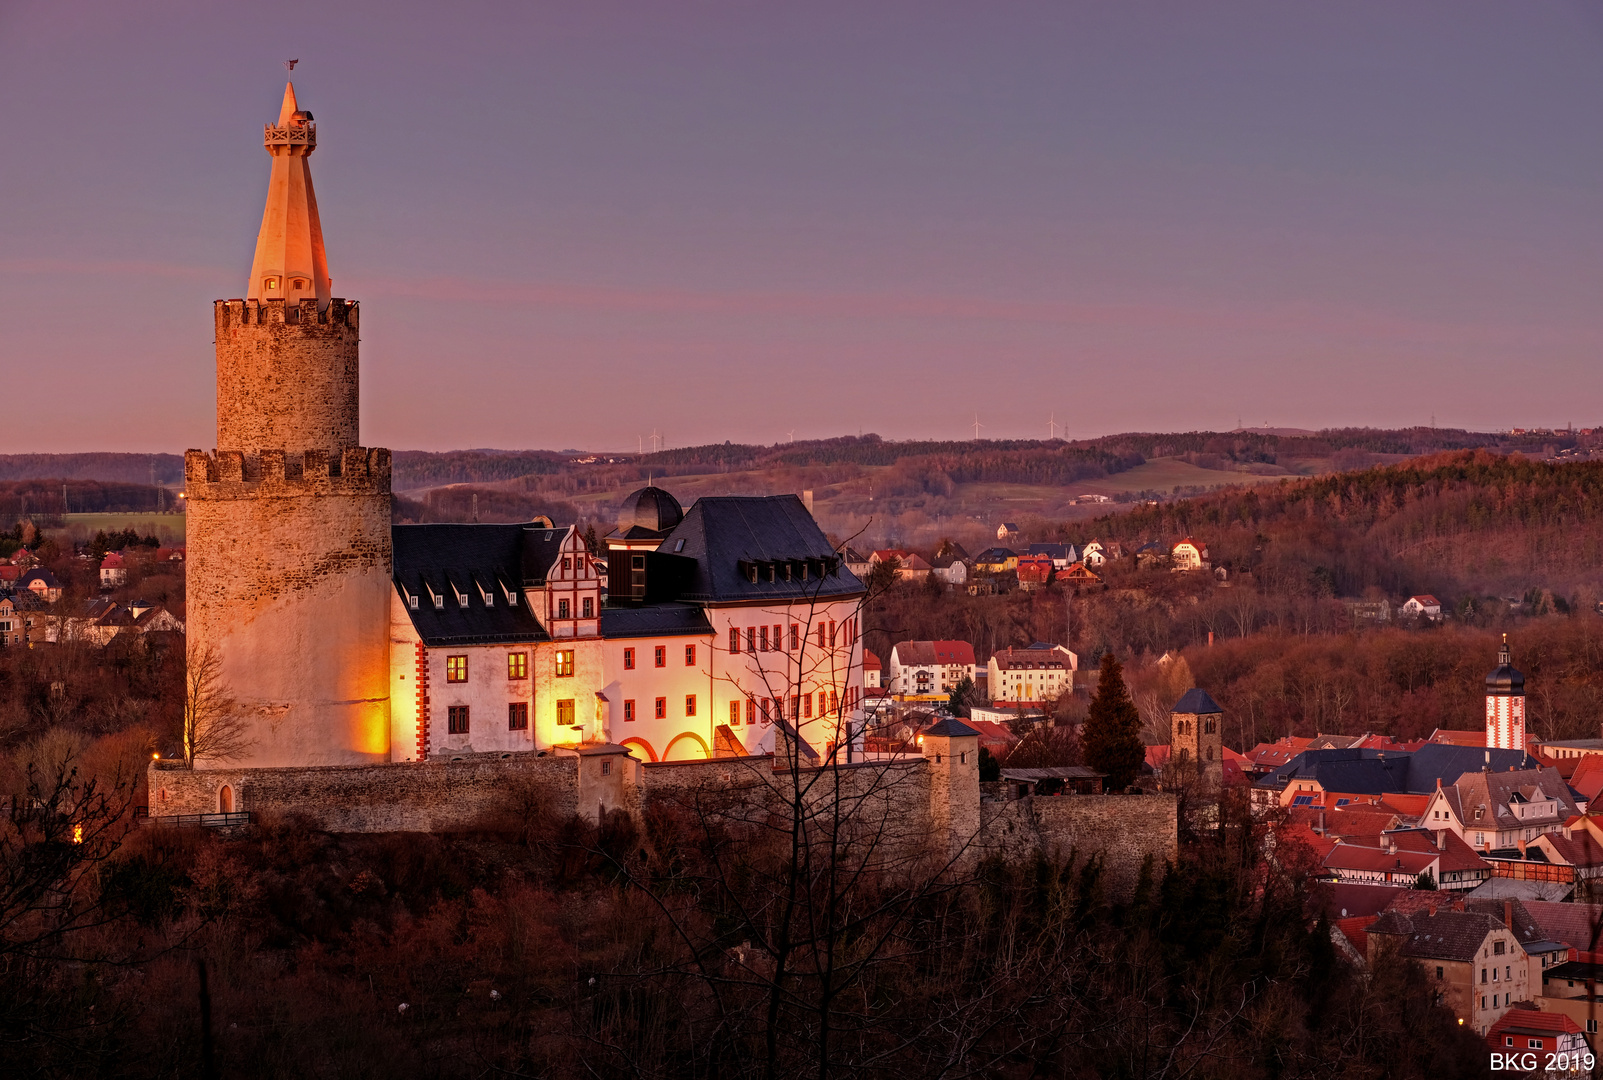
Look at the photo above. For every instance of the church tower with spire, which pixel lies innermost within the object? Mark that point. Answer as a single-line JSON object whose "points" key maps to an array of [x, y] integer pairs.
{"points": [[288, 573], [1505, 704]]}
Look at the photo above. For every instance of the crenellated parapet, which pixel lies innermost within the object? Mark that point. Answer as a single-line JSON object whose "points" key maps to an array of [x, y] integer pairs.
{"points": [[340, 314], [232, 474]]}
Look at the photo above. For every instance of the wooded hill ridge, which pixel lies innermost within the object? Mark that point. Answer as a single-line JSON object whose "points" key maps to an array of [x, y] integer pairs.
{"points": [[1003, 460], [1468, 522]]}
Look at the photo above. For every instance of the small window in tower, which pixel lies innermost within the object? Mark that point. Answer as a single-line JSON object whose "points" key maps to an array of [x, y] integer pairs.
{"points": [[298, 283], [270, 283]]}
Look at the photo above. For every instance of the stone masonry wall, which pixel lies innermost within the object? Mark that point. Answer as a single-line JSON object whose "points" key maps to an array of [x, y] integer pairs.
{"points": [[422, 797], [287, 375], [292, 590], [889, 798], [1123, 829]]}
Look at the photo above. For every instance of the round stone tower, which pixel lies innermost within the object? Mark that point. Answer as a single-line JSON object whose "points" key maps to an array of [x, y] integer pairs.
{"points": [[1505, 704], [288, 572]]}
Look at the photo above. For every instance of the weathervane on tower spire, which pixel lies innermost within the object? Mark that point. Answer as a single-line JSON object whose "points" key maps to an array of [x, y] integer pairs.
{"points": [[289, 65]]}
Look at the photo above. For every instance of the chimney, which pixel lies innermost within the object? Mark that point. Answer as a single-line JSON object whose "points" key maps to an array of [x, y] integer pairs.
{"points": [[1508, 914], [1441, 840], [1521, 845], [1321, 821], [1458, 905], [1432, 909], [807, 499]]}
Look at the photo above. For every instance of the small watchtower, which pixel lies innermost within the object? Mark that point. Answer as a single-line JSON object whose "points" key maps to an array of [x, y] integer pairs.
{"points": [[1196, 735], [952, 749]]}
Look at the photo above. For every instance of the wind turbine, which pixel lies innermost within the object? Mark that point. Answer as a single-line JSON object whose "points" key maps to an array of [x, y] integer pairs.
{"points": [[1052, 427], [977, 426], [791, 435]]}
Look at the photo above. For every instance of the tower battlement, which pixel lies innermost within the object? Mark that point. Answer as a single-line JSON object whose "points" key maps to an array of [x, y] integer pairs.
{"points": [[232, 474], [280, 312]]}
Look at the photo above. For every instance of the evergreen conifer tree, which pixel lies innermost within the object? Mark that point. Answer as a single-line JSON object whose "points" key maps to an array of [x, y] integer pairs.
{"points": [[1112, 733]]}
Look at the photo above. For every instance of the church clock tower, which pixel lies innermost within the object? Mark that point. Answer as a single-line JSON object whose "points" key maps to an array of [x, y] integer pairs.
{"points": [[1505, 704], [288, 572]]}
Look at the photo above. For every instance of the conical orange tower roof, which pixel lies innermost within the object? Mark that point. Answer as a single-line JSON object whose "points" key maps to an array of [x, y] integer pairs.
{"points": [[290, 263]]}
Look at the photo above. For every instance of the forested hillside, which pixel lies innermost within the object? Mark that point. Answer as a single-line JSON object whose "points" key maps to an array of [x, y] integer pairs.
{"points": [[1466, 525]]}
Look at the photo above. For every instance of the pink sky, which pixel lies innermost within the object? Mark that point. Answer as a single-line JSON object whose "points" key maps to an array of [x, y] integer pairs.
{"points": [[570, 225]]}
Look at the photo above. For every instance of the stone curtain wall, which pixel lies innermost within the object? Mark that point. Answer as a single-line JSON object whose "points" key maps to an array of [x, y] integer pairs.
{"points": [[1123, 829], [441, 796], [425, 797]]}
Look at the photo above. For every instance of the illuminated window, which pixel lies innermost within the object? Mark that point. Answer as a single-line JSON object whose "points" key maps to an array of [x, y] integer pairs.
{"points": [[690, 656], [456, 720], [589, 607], [270, 283], [734, 714], [456, 669], [565, 712], [563, 609], [629, 710], [660, 655], [734, 639], [690, 704], [518, 665], [517, 716], [564, 662], [628, 659], [662, 708]]}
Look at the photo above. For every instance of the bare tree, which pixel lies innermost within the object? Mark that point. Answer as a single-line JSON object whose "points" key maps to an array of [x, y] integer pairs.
{"points": [[214, 727]]}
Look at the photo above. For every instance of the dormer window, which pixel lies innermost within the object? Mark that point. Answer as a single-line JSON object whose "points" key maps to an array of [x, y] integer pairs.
{"points": [[411, 601], [439, 601], [751, 573]]}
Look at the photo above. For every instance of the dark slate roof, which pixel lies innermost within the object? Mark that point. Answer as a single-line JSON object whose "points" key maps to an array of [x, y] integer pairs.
{"points": [[727, 536], [1449, 762], [471, 559], [1196, 700], [655, 620], [950, 727], [1375, 772], [1364, 772], [539, 548]]}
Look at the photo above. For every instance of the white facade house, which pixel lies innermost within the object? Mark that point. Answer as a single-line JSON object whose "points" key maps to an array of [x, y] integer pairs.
{"points": [[1425, 605], [1031, 675], [929, 670], [1188, 554]]}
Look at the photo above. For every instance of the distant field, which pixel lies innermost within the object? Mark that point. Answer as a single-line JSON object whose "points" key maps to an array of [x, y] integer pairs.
{"points": [[168, 528], [1166, 474]]}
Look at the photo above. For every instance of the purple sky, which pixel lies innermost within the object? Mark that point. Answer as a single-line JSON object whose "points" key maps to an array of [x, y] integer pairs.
{"points": [[569, 224]]}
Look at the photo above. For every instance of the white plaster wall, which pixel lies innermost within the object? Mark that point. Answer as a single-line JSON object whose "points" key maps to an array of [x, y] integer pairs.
{"points": [[646, 682], [486, 693]]}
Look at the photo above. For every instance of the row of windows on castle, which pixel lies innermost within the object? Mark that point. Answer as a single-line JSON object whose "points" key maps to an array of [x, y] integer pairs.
{"points": [[752, 709]]}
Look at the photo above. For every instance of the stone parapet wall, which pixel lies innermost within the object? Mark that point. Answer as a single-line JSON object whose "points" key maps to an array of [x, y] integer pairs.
{"points": [[422, 797], [277, 474]]}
